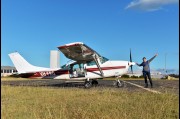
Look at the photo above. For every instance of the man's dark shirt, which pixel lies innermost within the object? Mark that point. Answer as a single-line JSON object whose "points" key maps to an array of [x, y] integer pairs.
{"points": [[146, 64]]}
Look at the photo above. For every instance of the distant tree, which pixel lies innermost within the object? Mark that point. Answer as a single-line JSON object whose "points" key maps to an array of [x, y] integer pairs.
{"points": [[174, 75]]}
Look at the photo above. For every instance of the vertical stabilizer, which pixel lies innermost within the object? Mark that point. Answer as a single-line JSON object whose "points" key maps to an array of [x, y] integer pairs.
{"points": [[22, 65]]}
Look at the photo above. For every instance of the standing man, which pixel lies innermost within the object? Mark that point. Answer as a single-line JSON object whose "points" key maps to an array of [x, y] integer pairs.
{"points": [[146, 70]]}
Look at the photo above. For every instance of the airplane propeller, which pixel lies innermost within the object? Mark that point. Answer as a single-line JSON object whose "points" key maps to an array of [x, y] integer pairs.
{"points": [[131, 62]]}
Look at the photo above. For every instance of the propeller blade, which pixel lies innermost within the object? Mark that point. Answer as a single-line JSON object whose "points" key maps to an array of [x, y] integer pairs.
{"points": [[130, 56], [131, 69], [131, 61]]}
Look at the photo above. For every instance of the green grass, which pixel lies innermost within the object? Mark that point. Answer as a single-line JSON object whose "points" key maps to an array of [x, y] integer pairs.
{"points": [[18, 79], [95, 103], [13, 78]]}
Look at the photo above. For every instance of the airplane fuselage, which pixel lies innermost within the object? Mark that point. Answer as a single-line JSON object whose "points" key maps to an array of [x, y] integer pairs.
{"points": [[84, 71]]}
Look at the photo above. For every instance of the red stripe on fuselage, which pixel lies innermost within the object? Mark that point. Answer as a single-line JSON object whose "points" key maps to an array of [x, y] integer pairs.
{"points": [[105, 68], [49, 73]]}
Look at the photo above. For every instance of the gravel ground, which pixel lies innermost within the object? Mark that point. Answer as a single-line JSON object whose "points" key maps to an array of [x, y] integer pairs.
{"points": [[168, 86]]}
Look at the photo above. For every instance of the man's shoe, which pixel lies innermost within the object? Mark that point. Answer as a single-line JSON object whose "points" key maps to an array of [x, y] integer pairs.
{"points": [[146, 86]]}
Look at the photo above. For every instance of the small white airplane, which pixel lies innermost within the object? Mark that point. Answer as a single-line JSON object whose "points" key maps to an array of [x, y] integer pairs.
{"points": [[86, 65]]}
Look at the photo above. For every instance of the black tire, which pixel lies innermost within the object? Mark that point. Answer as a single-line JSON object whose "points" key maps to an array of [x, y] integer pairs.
{"points": [[94, 82], [120, 84], [87, 84]]}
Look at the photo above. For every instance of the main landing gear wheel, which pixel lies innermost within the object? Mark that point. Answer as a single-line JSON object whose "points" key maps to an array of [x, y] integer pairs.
{"points": [[87, 84], [94, 83]]}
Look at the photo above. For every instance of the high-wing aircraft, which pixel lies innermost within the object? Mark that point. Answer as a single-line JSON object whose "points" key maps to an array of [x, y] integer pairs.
{"points": [[86, 65]]}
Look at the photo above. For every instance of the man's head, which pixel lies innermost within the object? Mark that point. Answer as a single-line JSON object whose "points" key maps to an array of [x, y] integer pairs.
{"points": [[144, 59]]}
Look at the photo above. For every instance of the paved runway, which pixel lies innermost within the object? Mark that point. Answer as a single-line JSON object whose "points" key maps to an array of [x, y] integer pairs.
{"points": [[168, 86]]}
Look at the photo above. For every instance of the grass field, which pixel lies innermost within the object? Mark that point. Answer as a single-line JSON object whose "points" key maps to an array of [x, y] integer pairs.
{"points": [[22, 102]]}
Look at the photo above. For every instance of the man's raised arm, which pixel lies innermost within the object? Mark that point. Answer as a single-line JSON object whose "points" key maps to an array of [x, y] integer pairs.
{"points": [[152, 58], [138, 64]]}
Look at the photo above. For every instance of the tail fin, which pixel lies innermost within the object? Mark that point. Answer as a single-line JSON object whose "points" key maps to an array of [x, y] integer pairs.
{"points": [[22, 65]]}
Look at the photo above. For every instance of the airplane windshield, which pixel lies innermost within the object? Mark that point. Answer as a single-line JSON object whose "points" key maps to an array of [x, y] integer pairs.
{"points": [[102, 59], [64, 67]]}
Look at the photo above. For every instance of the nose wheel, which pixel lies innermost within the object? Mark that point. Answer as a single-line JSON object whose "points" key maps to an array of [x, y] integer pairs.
{"points": [[118, 83]]}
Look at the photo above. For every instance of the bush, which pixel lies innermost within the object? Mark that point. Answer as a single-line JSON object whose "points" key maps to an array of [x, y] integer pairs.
{"points": [[125, 76], [141, 76], [14, 75], [134, 76]]}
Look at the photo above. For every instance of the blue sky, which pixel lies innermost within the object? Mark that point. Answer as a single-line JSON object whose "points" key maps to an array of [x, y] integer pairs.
{"points": [[34, 27]]}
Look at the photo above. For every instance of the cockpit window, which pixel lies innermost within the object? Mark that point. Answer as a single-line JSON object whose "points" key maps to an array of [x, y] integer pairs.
{"points": [[91, 63]]}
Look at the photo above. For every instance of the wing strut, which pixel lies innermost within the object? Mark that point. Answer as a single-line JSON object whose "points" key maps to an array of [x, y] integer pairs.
{"points": [[97, 63]]}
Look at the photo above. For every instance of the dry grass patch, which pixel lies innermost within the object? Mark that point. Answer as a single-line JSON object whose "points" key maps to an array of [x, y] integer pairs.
{"points": [[74, 103], [13, 78]]}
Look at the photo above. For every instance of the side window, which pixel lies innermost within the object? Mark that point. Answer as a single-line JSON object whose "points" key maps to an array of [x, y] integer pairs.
{"points": [[65, 67], [81, 66], [91, 63], [76, 66], [1, 71], [4, 70]]}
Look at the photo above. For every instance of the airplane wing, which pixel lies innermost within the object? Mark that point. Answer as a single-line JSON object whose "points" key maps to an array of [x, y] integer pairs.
{"points": [[81, 53], [78, 51]]}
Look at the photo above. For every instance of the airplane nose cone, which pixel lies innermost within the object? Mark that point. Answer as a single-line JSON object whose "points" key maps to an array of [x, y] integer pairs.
{"points": [[131, 63]]}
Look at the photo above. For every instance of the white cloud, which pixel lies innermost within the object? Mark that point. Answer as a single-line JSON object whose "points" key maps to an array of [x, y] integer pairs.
{"points": [[150, 5]]}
